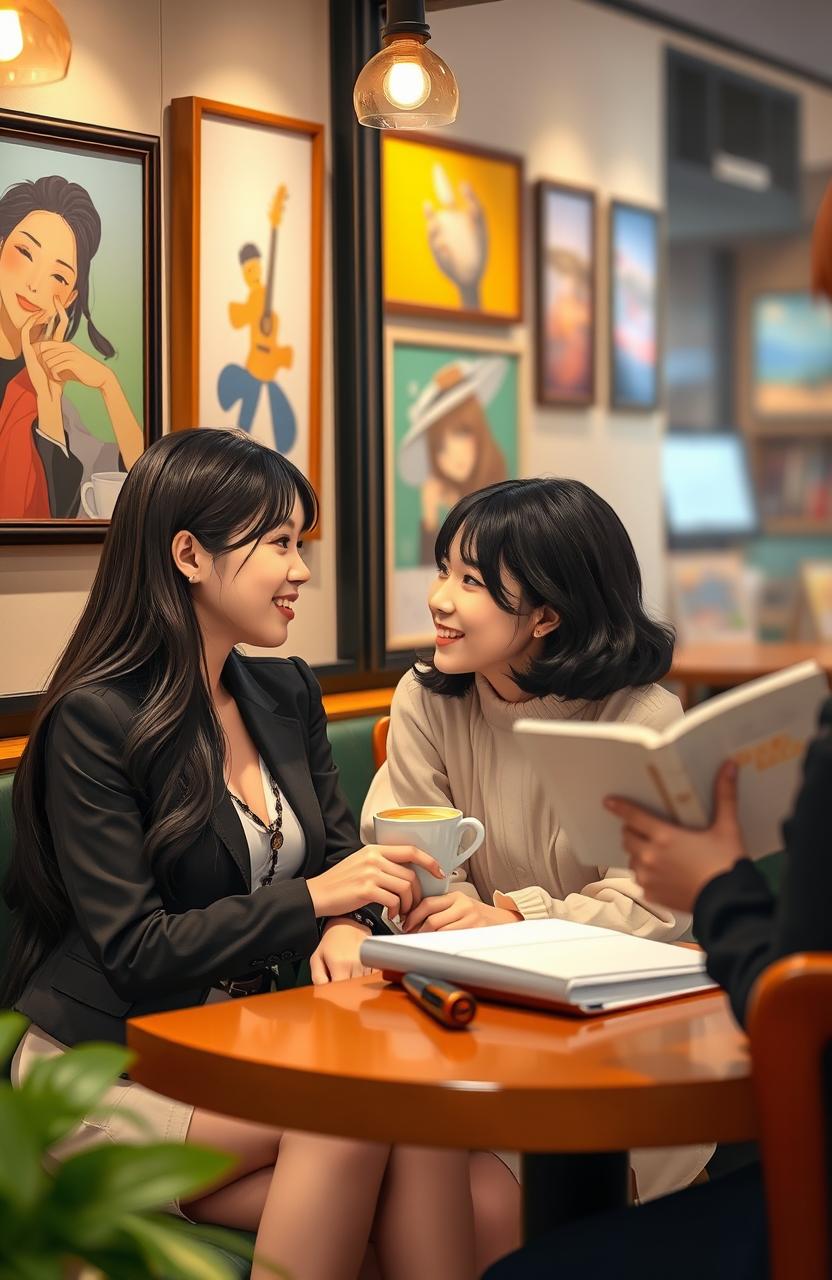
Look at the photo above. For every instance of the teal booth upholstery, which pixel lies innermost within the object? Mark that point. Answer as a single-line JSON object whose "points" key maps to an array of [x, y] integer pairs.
{"points": [[353, 752]]}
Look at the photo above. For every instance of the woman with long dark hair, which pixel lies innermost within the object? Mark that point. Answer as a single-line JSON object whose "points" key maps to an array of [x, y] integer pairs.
{"points": [[50, 232], [538, 612], [181, 835]]}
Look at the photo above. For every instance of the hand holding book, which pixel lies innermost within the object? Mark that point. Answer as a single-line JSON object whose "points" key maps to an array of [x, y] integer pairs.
{"points": [[672, 864]]}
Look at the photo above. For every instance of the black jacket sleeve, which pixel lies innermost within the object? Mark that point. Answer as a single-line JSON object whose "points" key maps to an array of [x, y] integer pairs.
{"points": [[741, 926], [98, 836]]}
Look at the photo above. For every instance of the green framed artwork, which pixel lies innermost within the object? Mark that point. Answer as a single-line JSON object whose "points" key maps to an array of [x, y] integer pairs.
{"points": [[452, 425], [80, 385]]}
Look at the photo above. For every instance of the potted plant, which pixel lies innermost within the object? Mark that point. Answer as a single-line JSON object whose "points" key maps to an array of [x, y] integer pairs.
{"points": [[97, 1214]]}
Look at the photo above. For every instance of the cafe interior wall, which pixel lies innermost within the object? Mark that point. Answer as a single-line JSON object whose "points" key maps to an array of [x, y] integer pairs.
{"points": [[578, 89], [574, 87], [130, 57]]}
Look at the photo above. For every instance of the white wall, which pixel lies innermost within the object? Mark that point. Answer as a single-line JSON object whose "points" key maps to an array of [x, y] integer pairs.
{"points": [[575, 87], [579, 91], [130, 57]]}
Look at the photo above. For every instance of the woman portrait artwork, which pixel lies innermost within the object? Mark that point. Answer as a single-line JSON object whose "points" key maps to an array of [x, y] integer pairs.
{"points": [[452, 426], [450, 450], [50, 232]]}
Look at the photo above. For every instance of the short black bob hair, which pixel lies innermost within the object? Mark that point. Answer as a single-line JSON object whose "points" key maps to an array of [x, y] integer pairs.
{"points": [[566, 548]]}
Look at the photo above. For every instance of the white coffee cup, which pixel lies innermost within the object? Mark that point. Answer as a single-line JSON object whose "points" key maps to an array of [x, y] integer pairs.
{"points": [[437, 829], [98, 495]]}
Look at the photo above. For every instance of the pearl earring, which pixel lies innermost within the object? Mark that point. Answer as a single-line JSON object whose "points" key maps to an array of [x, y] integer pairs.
{"points": [[194, 577], [538, 633]]}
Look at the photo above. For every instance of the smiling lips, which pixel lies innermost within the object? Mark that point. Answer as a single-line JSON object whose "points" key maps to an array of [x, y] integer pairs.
{"points": [[26, 304], [284, 605], [446, 636]]}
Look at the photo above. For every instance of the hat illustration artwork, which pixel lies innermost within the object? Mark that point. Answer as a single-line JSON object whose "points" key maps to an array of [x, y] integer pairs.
{"points": [[449, 388]]}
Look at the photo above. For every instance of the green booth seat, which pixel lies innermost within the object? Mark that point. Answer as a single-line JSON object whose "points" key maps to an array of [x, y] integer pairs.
{"points": [[352, 750]]}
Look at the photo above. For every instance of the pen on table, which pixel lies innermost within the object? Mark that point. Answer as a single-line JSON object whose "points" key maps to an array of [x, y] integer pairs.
{"points": [[446, 1003]]}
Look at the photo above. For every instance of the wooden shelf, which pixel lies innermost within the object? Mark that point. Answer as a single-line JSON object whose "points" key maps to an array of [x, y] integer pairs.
{"points": [[798, 525], [772, 429]]}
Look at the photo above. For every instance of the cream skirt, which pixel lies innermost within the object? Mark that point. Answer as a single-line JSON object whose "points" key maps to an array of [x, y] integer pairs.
{"points": [[161, 1119]]}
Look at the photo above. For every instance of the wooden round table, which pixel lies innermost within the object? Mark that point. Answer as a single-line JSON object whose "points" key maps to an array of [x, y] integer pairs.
{"points": [[359, 1059]]}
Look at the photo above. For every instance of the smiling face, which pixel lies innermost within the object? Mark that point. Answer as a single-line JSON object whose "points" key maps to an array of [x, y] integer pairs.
{"points": [[473, 634], [38, 266], [249, 595]]}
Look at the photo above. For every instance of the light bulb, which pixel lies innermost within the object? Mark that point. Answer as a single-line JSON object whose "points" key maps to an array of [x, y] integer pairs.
{"points": [[406, 85], [11, 35]]}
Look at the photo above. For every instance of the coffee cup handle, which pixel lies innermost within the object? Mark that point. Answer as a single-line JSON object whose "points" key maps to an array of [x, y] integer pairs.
{"points": [[86, 489], [468, 824]]}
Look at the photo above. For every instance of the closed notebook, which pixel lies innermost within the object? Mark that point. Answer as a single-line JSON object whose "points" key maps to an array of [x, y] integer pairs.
{"points": [[765, 726], [556, 964]]}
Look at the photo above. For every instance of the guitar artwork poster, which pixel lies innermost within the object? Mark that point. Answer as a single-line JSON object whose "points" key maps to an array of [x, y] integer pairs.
{"points": [[255, 187]]}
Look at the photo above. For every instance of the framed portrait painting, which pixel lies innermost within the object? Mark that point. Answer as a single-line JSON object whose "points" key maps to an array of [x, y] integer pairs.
{"points": [[80, 386], [246, 276], [565, 294], [452, 425], [451, 230], [635, 299]]}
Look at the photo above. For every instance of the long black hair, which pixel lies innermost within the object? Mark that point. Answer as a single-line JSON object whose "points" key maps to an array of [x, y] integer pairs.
{"points": [[72, 203], [566, 549], [139, 626]]}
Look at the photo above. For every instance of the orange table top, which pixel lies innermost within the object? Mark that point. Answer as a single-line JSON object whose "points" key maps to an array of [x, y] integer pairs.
{"points": [[730, 663], [359, 1059]]}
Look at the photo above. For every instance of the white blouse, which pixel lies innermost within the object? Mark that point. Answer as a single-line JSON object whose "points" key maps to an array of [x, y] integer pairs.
{"points": [[292, 853]]}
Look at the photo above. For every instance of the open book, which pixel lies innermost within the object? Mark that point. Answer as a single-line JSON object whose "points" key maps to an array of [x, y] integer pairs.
{"points": [[556, 964], [764, 726]]}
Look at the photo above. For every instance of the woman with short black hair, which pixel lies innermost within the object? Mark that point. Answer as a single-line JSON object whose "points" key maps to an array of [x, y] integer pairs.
{"points": [[538, 613]]}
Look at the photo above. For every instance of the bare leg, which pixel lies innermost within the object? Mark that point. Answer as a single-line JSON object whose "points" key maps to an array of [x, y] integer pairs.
{"points": [[497, 1209], [310, 1199], [425, 1221]]}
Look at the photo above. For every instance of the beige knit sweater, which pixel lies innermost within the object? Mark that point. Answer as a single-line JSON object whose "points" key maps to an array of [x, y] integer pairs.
{"points": [[459, 751]]}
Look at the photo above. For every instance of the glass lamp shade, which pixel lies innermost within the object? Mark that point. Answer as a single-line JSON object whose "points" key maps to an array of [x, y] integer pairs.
{"points": [[405, 86], [35, 45]]}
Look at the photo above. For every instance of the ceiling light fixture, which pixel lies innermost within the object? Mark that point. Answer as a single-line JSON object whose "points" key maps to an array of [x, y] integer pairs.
{"points": [[35, 45], [405, 86]]}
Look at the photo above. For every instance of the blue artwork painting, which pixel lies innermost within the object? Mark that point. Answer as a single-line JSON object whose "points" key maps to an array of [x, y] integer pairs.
{"points": [[635, 285]]}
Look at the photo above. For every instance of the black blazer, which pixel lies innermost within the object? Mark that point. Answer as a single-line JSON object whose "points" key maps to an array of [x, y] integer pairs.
{"points": [[135, 947], [737, 919]]}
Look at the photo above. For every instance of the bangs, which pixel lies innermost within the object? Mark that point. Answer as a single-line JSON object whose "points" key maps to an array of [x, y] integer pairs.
{"points": [[272, 485], [485, 542]]}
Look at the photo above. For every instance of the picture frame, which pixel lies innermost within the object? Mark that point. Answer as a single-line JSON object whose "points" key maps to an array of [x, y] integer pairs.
{"points": [[443, 392], [715, 597], [813, 611], [240, 356], [635, 302], [452, 230], [84, 201], [791, 356], [566, 271]]}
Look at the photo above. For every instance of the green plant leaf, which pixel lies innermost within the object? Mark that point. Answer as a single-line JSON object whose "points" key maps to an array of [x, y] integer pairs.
{"points": [[12, 1026], [107, 1181], [31, 1266], [21, 1177], [58, 1092], [173, 1253]]}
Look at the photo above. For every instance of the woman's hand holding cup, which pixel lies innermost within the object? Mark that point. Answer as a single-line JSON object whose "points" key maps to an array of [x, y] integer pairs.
{"points": [[377, 873]]}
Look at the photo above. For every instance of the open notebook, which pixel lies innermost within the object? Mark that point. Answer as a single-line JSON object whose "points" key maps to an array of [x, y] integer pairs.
{"points": [[546, 963]]}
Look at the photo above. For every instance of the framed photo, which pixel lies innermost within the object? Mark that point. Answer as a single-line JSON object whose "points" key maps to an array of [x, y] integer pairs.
{"points": [[814, 603], [80, 384], [714, 598], [565, 294], [453, 424], [451, 230], [246, 276], [792, 356], [635, 284]]}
